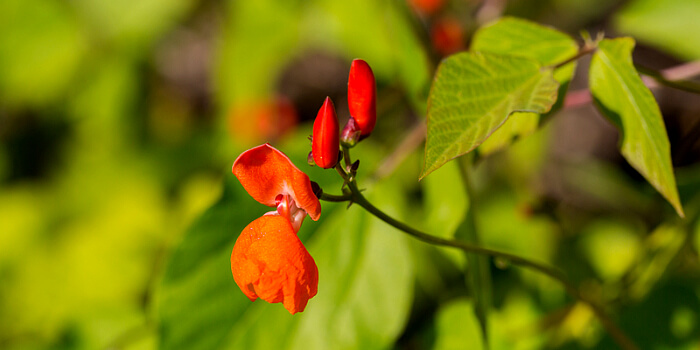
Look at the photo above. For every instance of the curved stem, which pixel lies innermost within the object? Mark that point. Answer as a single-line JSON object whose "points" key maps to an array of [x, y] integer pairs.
{"points": [[582, 52], [355, 196], [360, 200], [335, 198], [346, 157]]}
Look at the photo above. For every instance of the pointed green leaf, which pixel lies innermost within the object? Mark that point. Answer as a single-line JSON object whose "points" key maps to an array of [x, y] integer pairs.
{"points": [[518, 37], [623, 98], [473, 94]]}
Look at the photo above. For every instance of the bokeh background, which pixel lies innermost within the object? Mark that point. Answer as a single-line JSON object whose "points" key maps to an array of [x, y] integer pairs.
{"points": [[119, 121]]}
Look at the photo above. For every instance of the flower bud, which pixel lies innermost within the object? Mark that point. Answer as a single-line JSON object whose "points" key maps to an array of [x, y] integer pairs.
{"points": [[324, 142], [350, 134], [362, 96]]}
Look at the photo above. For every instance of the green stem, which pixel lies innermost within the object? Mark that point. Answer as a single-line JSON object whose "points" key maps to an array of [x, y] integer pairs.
{"points": [[355, 196], [346, 158], [335, 198], [480, 277], [582, 52], [360, 200]]}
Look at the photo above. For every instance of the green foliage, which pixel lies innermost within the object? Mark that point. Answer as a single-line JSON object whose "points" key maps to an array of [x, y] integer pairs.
{"points": [[612, 247], [457, 327], [473, 94], [376, 31], [445, 206], [518, 37], [118, 111], [132, 25], [622, 97], [671, 25], [41, 48]]}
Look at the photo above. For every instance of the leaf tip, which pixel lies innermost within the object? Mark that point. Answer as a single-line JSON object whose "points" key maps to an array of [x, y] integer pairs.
{"points": [[679, 209]]}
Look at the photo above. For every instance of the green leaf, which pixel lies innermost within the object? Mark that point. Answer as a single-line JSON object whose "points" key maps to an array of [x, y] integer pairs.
{"points": [[478, 275], [611, 246], [517, 37], [457, 327], [445, 206], [198, 301], [519, 124], [365, 285], [671, 25], [623, 98], [473, 94]]}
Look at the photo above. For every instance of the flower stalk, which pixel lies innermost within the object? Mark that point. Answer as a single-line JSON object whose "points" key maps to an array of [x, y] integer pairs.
{"points": [[354, 196]]}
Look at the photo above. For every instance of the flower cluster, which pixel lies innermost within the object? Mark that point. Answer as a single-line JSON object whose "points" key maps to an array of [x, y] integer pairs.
{"points": [[268, 260]]}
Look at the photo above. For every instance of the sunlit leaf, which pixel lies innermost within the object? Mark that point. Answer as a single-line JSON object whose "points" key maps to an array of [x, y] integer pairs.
{"points": [[457, 327], [473, 94], [612, 247], [518, 37], [671, 25], [445, 205], [623, 98]]}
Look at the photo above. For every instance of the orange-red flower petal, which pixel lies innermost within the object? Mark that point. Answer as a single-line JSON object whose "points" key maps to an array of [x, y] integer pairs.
{"points": [[266, 173], [270, 262]]}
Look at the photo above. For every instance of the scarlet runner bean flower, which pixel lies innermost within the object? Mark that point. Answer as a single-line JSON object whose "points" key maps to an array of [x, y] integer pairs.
{"points": [[268, 260], [325, 142], [362, 102]]}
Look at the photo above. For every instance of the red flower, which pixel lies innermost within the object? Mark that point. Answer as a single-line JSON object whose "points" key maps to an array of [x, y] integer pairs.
{"points": [[362, 96], [268, 260], [325, 142], [447, 36]]}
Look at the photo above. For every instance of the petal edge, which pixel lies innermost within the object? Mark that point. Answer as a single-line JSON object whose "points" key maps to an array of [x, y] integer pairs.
{"points": [[265, 172]]}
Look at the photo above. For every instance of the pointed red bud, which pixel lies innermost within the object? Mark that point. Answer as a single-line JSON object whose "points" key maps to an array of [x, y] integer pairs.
{"points": [[325, 142], [362, 96]]}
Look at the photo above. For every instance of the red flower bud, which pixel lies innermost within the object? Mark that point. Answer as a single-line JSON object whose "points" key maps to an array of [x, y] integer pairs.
{"points": [[362, 96], [350, 134], [325, 143]]}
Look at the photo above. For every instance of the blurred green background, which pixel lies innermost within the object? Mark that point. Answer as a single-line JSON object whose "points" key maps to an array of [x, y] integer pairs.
{"points": [[119, 121]]}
